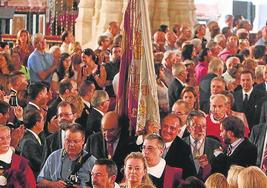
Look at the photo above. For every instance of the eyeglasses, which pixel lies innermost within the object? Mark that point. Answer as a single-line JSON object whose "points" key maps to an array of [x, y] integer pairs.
{"points": [[179, 113], [67, 141], [64, 114], [149, 148]]}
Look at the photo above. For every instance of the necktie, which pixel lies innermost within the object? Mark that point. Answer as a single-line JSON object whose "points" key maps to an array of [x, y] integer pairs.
{"points": [[165, 152], [110, 150], [245, 102], [195, 155]]}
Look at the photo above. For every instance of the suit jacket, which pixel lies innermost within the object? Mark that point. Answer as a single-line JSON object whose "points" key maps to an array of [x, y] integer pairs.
{"points": [[35, 152], [52, 111], [254, 105], [261, 86], [53, 142], [93, 123], [257, 137], [96, 146], [174, 91], [178, 155], [244, 155], [85, 113], [263, 116], [204, 89]]}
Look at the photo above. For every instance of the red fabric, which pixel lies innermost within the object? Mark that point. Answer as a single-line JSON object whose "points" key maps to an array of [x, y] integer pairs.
{"points": [[171, 176], [201, 70], [20, 175], [213, 129]]}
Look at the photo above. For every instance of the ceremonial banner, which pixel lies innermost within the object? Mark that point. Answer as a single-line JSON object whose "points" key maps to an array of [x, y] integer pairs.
{"points": [[137, 95]]}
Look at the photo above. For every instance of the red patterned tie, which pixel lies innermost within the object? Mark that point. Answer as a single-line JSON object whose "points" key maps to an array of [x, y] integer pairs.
{"points": [[110, 150]]}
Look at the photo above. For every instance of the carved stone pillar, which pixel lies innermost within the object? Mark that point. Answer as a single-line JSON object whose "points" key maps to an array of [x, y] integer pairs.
{"points": [[160, 13], [83, 26]]}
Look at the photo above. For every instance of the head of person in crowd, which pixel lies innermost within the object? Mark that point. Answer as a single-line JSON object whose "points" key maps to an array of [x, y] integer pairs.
{"points": [[259, 74], [67, 37], [264, 33], [135, 170], [192, 182], [231, 65], [232, 175], [103, 42], [67, 88], [4, 47], [216, 66], [217, 180], [221, 40], [170, 126], [169, 59], [229, 20], [159, 38], [4, 112], [15, 60], [197, 43], [196, 125], [230, 101], [227, 32], [55, 51], [218, 106], [164, 28], [213, 28], [66, 114], [188, 52], [159, 71], [199, 31], [111, 127], [65, 67], [245, 24], [186, 33], [104, 173], [242, 34], [259, 51], [117, 40], [204, 55], [74, 141], [190, 96], [39, 42], [179, 71], [246, 80], [250, 65], [18, 81], [181, 109], [23, 37], [100, 100], [170, 38], [218, 85], [87, 90], [114, 28], [232, 128], [251, 177], [88, 57], [5, 65], [232, 44], [37, 94], [214, 47], [5, 135], [34, 121], [152, 149], [176, 29], [116, 54]]}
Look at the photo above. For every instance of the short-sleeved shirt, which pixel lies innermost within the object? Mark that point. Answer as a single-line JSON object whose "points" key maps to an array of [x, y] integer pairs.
{"points": [[58, 167], [37, 63]]}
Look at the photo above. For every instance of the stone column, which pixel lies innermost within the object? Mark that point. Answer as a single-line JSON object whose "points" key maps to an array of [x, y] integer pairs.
{"points": [[83, 26], [182, 12], [160, 14]]}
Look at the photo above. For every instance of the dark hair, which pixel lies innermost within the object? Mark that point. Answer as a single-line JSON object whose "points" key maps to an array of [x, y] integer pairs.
{"points": [[88, 52], [259, 51], [192, 182], [61, 70], [64, 35], [84, 87], [187, 51], [202, 54], [225, 30], [34, 89], [163, 28], [3, 44], [247, 72], [245, 52], [111, 166], [4, 107], [193, 91], [31, 118], [65, 103], [235, 125], [157, 67], [64, 85], [75, 127]]}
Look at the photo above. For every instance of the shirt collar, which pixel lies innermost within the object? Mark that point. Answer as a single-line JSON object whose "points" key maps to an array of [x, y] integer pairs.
{"points": [[86, 103], [31, 103], [35, 135], [157, 170], [99, 111], [182, 129], [248, 93], [6, 157]]}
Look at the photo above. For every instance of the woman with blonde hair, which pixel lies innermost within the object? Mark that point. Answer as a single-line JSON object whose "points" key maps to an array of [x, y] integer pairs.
{"points": [[233, 175], [216, 180], [135, 171], [252, 177]]}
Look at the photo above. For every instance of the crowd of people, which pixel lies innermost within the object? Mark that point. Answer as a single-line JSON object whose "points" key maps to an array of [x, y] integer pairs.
{"points": [[59, 126]]}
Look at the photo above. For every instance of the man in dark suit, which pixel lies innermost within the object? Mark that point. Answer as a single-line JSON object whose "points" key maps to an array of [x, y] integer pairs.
{"points": [[65, 118], [239, 150], [202, 147], [215, 69], [32, 145], [100, 102], [179, 72], [112, 142], [248, 99], [258, 137], [176, 152], [67, 88], [86, 92], [181, 109]]}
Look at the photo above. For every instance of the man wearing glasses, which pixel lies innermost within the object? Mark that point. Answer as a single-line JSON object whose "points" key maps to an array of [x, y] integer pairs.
{"points": [[70, 165]]}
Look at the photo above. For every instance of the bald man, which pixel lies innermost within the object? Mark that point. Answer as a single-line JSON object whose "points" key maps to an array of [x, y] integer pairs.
{"points": [[113, 141]]}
